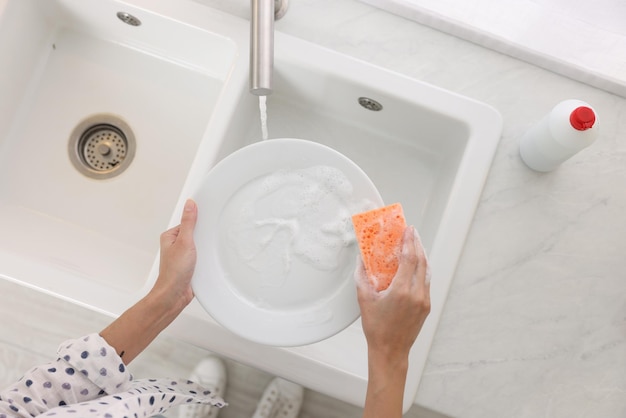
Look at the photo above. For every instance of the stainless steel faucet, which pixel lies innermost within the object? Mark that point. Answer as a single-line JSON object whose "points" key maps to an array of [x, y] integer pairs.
{"points": [[264, 12]]}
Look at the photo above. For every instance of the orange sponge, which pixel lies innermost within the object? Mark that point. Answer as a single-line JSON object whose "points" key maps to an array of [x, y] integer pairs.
{"points": [[379, 234]]}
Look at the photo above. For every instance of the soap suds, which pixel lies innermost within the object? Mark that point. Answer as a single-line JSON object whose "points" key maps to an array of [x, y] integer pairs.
{"points": [[289, 231]]}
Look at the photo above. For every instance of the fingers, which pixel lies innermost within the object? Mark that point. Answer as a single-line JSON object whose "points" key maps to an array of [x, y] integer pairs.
{"points": [[188, 221], [359, 272], [186, 227], [423, 269], [360, 275], [422, 272], [408, 260], [168, 237]]}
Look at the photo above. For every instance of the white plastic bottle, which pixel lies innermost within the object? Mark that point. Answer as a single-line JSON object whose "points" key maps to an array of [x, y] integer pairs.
{"points": [[569, 128]]}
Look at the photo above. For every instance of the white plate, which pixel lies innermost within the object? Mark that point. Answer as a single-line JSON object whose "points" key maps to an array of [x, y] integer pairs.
{"points": [[276, 249]]}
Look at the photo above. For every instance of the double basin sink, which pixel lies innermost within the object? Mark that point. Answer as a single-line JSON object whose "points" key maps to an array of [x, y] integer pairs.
{"points": [[178, 83]]}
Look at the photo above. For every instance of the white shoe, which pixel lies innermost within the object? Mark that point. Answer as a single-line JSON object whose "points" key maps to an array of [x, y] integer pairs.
{"points": [[211, 374], [281, 399]]}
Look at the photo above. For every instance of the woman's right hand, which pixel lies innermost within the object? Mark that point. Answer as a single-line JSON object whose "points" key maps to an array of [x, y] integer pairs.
{"points": [[391, 321], [393, 318]]}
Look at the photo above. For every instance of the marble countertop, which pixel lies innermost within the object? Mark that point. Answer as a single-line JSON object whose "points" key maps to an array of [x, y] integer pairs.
{"points": [[535, 321], [581, 40]]}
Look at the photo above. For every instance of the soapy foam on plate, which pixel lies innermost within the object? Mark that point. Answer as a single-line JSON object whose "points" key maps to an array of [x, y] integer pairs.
{"points": [[290, 232]]}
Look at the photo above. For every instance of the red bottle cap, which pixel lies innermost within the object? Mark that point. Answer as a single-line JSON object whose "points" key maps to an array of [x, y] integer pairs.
{"points": [[582, 118]]}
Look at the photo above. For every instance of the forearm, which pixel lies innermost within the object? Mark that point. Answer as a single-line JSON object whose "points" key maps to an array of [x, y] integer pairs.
{"points": [[136, 328], [385, 388]]}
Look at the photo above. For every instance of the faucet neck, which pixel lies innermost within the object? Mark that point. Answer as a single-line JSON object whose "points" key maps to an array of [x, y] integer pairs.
{"points": [[261, 46]]}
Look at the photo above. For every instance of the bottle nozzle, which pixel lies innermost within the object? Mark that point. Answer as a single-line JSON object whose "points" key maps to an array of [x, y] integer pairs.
{"points": [[582, 118]]}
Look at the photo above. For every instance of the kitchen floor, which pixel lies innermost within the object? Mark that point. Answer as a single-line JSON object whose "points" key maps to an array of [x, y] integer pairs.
{"points": [[34, 324]]}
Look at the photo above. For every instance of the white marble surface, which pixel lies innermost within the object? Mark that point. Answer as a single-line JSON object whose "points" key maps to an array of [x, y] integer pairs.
{"points": [[580, 39], [535, 322]]}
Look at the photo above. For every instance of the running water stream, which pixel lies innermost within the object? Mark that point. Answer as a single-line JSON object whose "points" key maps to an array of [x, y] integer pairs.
{"points": [[263, 112]]}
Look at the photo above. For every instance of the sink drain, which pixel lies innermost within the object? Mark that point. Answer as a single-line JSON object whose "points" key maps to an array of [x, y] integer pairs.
{"points": [[370, 104], [102, 146]]}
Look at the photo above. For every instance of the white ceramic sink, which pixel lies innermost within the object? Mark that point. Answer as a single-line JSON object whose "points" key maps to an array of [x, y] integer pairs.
{"points": [[61, 62], [180, 81]]}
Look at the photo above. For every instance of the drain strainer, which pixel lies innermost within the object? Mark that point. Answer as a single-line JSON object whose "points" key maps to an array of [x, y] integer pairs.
{"points": [[370, 104], [102, 146]]}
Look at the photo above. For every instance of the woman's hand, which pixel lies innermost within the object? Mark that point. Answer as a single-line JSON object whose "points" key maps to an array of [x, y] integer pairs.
{"points": [[178, 260], [139, 325], [391, 320]]}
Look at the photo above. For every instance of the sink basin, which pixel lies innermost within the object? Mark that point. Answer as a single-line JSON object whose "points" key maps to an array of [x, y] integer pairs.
{"points": [[180, 82], [411, 149], [76, 59]]}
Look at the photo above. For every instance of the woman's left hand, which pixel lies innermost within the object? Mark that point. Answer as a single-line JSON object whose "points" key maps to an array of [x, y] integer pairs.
{"points": [[178, 260]]}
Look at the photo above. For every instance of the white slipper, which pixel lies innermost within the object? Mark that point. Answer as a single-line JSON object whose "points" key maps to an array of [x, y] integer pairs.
{"points": [[211, 374], [281, 399]]}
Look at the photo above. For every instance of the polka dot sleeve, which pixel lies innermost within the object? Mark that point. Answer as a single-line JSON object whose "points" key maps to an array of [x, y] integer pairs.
{"points": [[87, 368], [89, 379], [92, 357], [145, 398]]}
